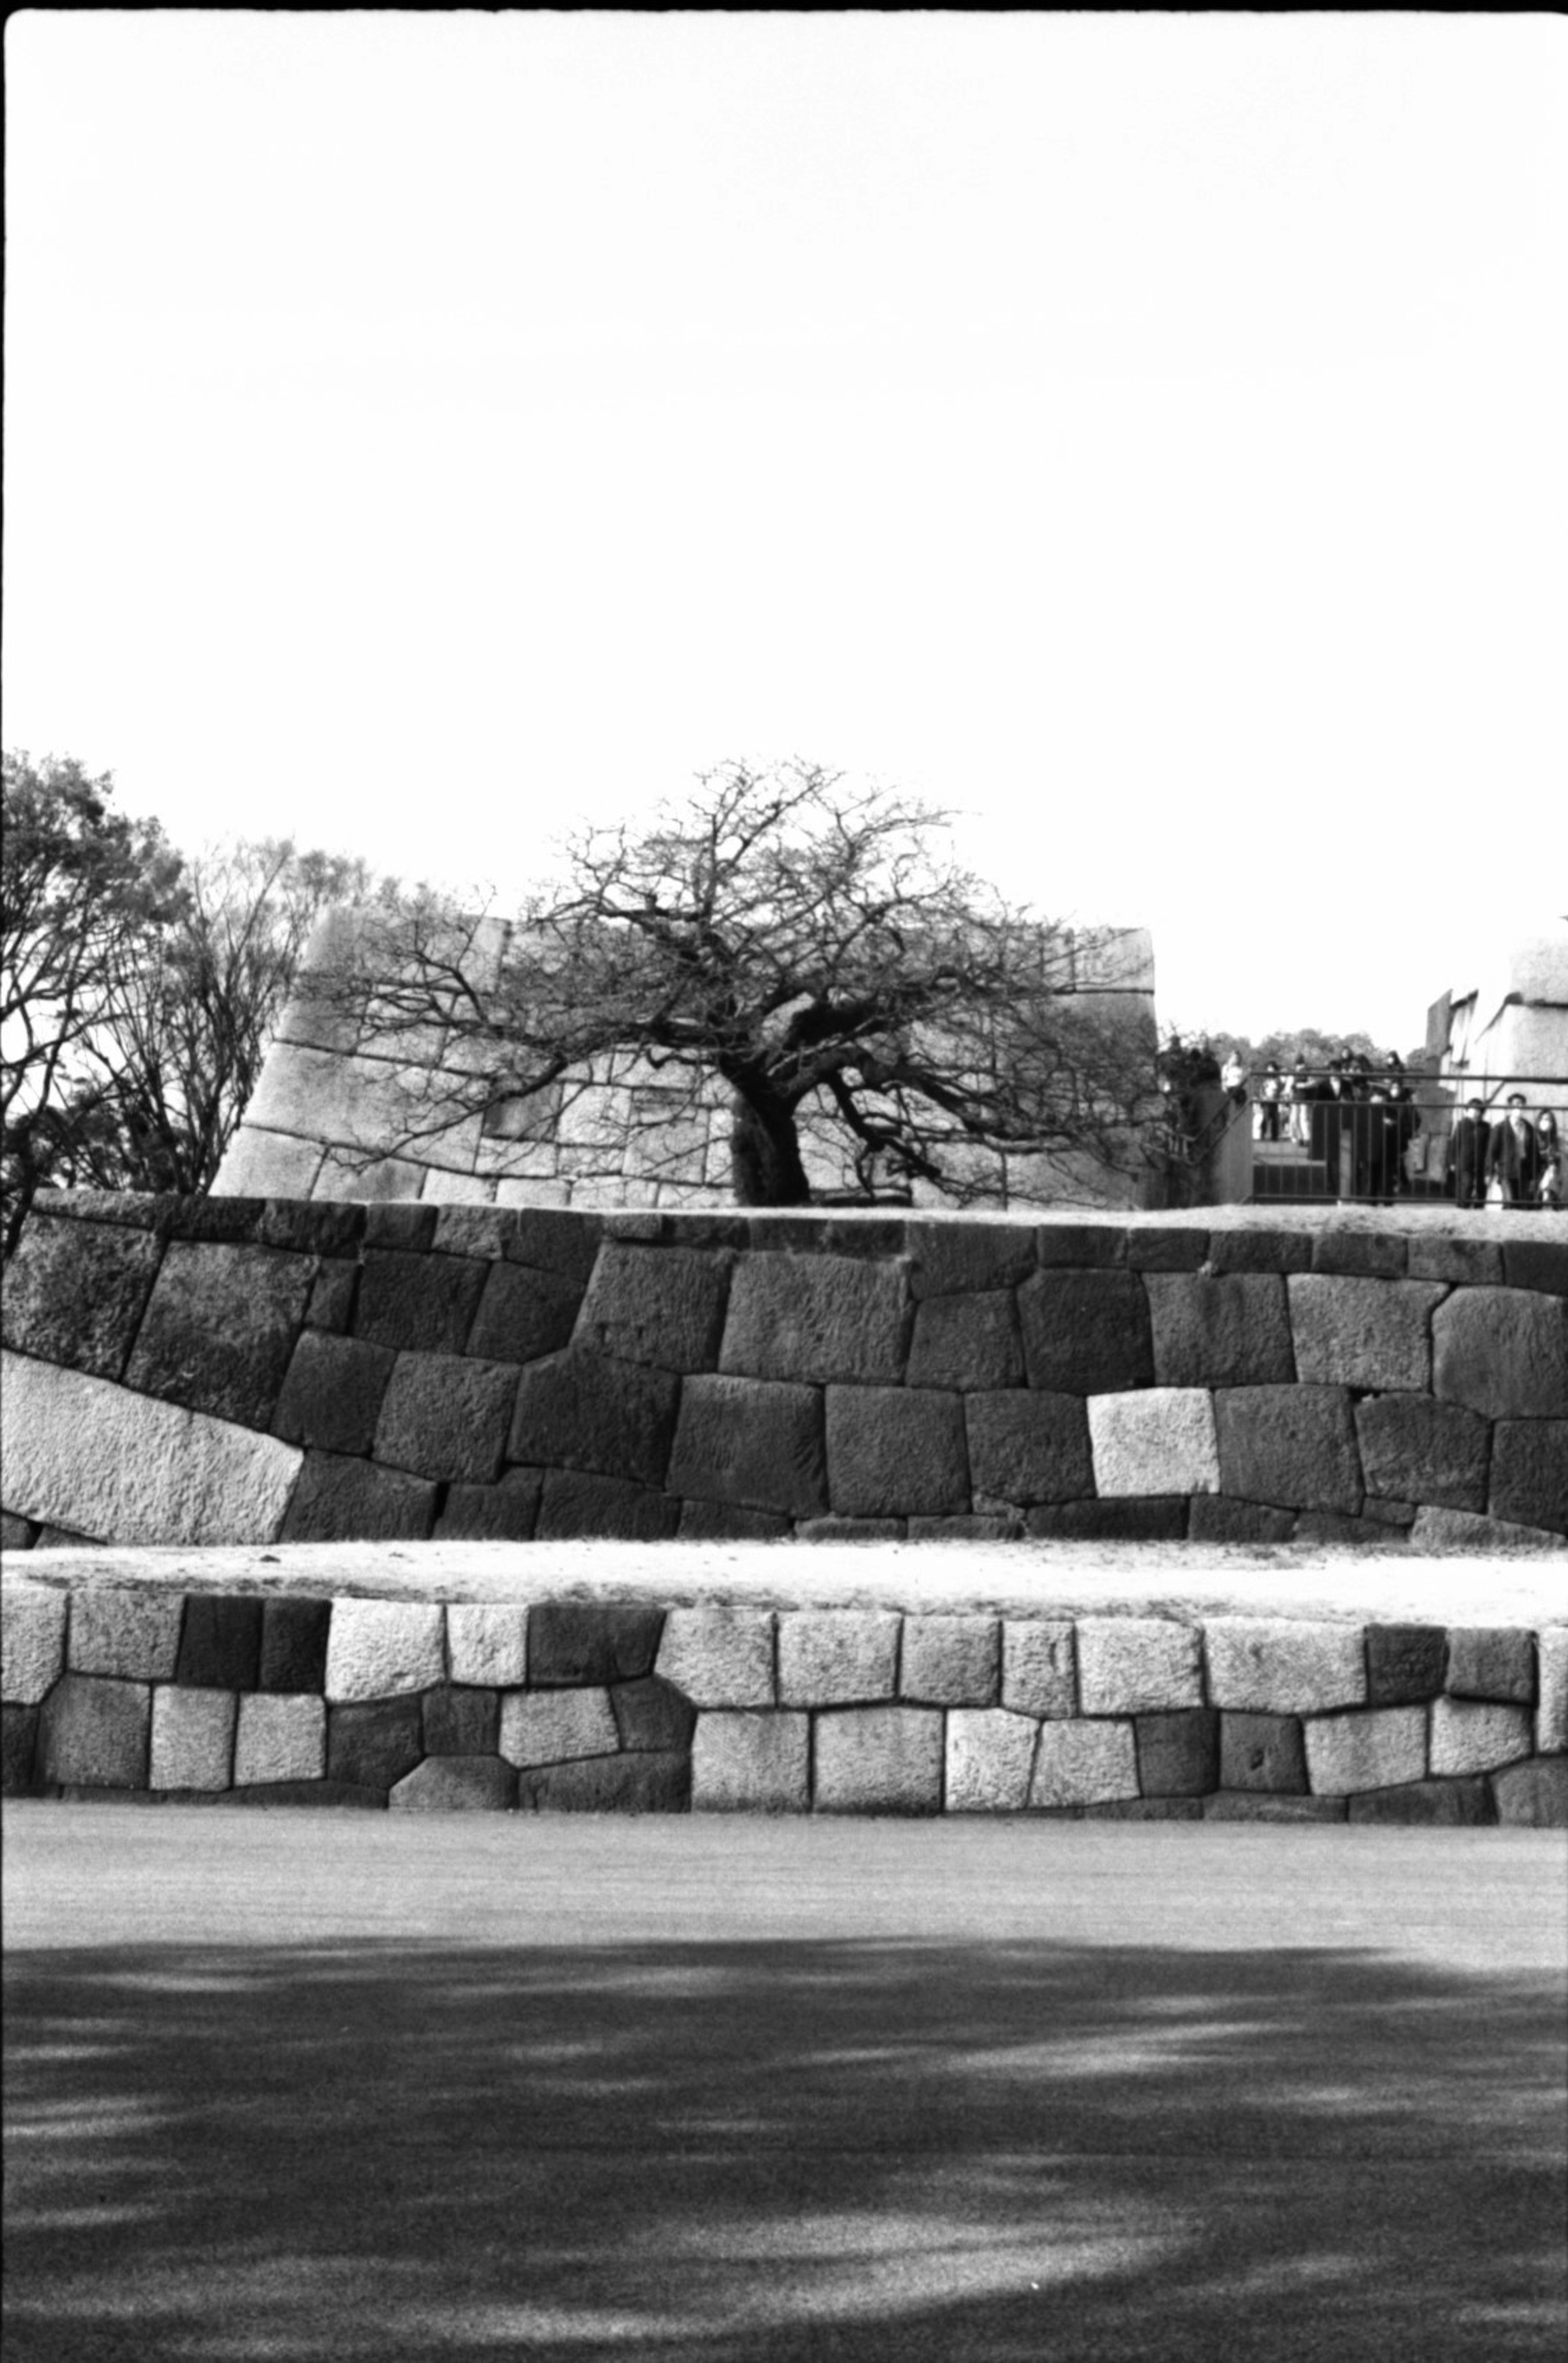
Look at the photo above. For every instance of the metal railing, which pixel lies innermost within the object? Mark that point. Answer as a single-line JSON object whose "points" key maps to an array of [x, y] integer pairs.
{"points": [[1387, 1135]]}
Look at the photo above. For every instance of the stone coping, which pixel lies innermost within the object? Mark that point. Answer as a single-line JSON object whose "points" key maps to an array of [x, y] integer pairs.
{"points": [[1015, 1577]]}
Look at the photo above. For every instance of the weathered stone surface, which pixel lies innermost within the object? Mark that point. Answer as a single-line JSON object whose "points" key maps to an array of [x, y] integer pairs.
{"points": [[1029, 1447], [1444, 1257], [951, 1660], [752, 1764], [293, 1645], [713, 1521], [1462, 1530], [1084, 1764], [1262, 1751], [1253, 1806], [1283, 1665], [219, 1329], [1215, 1518], [524, 1313], [1382, 1747], [54, 1537], [271, 1163], [1382, 1513], [1178, 1754], [892, 1450], [663, 1306], [1084, 1245], [305, 1792], [651, 1713], [1159, 1440], [719, 1657], [952, 1259], [378, 1649], [1552, 1713], [999, 1526], [456, 1721], [19, 1745], [506, 1512], [1087, 1333], [1404, 1662], [1537, 1263], [80, 1452], [1476, 1735], [1503, 1351], [837, 1656], [476, 1230], [193, 1738], [127, 1630], [445, 1416], [32, 1642], [752, 1443], [609, 1784], [815, 1317], [851, 1530], [1260, 1250], [405, 1229], [1127, 1664], [574, 1506], [75, 1293], [967, 1342], [374, 1743], [1419, 1450], [583, 1411], [1135, 1518], [569, 1643], [221, 1643], [879, 1760], [387, 1180], [990, 1755], [549, 1239], [1039, 1668], [456, 1784], [1144, 1809], [1369, 1255], [1453, 1804], [315, 1230], [95, 1734], [332, 1295], [487, 1644], [343, 1501], [1495, 1661], [1529, 1474], [17, 1534], [1228, 1330], [1533, 1796], [1167, 1250], [1293, 1447], [418, 1303], [1362, 1332], [331, 1396]]}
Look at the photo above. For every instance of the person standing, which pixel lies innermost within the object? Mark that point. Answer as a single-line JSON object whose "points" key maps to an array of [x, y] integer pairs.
{"points": [[1512, 1155], [1549, 1178], [1467, 1145], [1269, 1097]]}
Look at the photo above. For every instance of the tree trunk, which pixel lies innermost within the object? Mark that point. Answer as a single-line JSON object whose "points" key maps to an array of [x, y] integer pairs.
{"points": [[765, 1152]]}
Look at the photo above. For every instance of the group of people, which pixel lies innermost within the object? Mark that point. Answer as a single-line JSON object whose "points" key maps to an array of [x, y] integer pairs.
{"points": [[1517, 1162]]}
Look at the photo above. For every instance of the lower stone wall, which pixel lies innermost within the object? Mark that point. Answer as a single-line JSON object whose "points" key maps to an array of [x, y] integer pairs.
{"points": [[423, 1705]]}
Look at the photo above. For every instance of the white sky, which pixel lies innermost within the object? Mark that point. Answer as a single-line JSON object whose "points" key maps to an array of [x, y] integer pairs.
{"points": [[1144, 434]]}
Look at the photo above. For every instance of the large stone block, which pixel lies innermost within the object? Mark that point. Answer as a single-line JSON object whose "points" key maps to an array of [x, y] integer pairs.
{"points": [[837, 1656], [131, 1631], [1293, 1447], [1230, 1329], [1259, 1250], [1127, 1664], [1503, 1351], [1445, 1257], [380, 1647], [1362, 1332], [1360, 1255], [93, 1733], [1491, 1661], [487, 1644], [1215, 1518], [951, 1660], [447, 1417], [1463, 1530], [220, 1642], [652, 1715], [1475, 1736], [1414, 1449], [331, 1396], [82, 1453], [1537, 1263], [663, 1306], [754, 1443], [583, 1411], [405, 1229], [959, 1259], [1446, 1804], [1169, 1249], [967, 1342], [419, 1303], [258, 1163], [1178, 1754], [193, 1738], [75, 1293], [342, 1501], [1082, 1246], [456, 1721], [892, 1450], [575, 1506], [879, 1760], [1264, 1752], [1404, 1662], [1283, 1665], [1029, 1447], [1087, 1333], [506, 1512], [1529, 1474], [524, 1314], [1253, 1806], [719, 1657], [1533, 1796], [1381, 1747], [569, 1643], [1552, 1713], [219, 1329], [375, 1742], [608, 1784], [726, 1522], [32, 1643], [279, 1738], [990, 1756], [752, 1764], [1159, 1440], [816, 1317], [1084, 1764], [1131, 1518], [456, 1784], [293, 1645], [1039, 1668]]}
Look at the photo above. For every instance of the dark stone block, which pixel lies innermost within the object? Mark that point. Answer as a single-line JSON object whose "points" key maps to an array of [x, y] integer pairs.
{"points": [[816, 1317], [447, 1417], [1419, 1450], [459, 1722], [1087, 1333], [331, 1397], [706, 1230], [575, 1507], [1533, 1795], [652, 1715], [95, 1733], [1167, 1250], [373, 1742], [1369, 1255], [998, 1528], [1404, 1662], [219, 1329], [65, 1538], [131, 1210], [1337, 1526], [303, 1792], [1144, 1809], [1084, 1245], [967, 1258], [1456, 1804], [966, 1342], [572, 1646], [1293, 1447], [1537, 1263], [1230, 1331], [219, 1222], [418, 1303], [339, 1500], [18, 1741], [892, 1450], [1135, 1519], [851, 1530], [1249, 1250], [401, 1226], [1388, 1514], [524, 1313], [1529, 1474], [1178, 1753], [293, 1645], [638, 1223], [1029, 1447], [609, 1784], [1491, 1662], [483, 1231], [75, 1293], [220, 1642], [1264, 1752], [754, 1443], [550, 1239], [313, 1226], [1444, 1257], [583, 1411], [332, 1294], [17, 1534], [1215, 1518], [714, 1522], [506, 1512], [1251, 1805]]}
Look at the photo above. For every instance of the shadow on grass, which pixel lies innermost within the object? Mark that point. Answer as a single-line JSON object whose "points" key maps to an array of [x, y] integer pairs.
{"points": [[997, 2150]]}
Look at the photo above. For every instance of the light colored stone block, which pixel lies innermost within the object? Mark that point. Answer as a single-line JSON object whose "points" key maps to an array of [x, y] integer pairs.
{"points": [[719, 1657], [377, 1648], [752, 1764], [1457, 1530], [951, 1660], [990, 1755], [1552, 1713], [132, 1633], [1085, 1764], [1381, 1748], [259, 1164], [193, 1738], [837, 1656], [554, 1726], [32, 1642], [456, 1784], [280, 1735], [1477, 1735], [84, 1454], [1285, 1666], [1155, 1440], [1129, 1664], [487, 1644], [879, 1760], [1362, 1332], [1039, 1668]]}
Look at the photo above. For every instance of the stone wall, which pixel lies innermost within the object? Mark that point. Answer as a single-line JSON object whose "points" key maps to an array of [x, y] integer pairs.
{"points": [[244, 1370]]}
